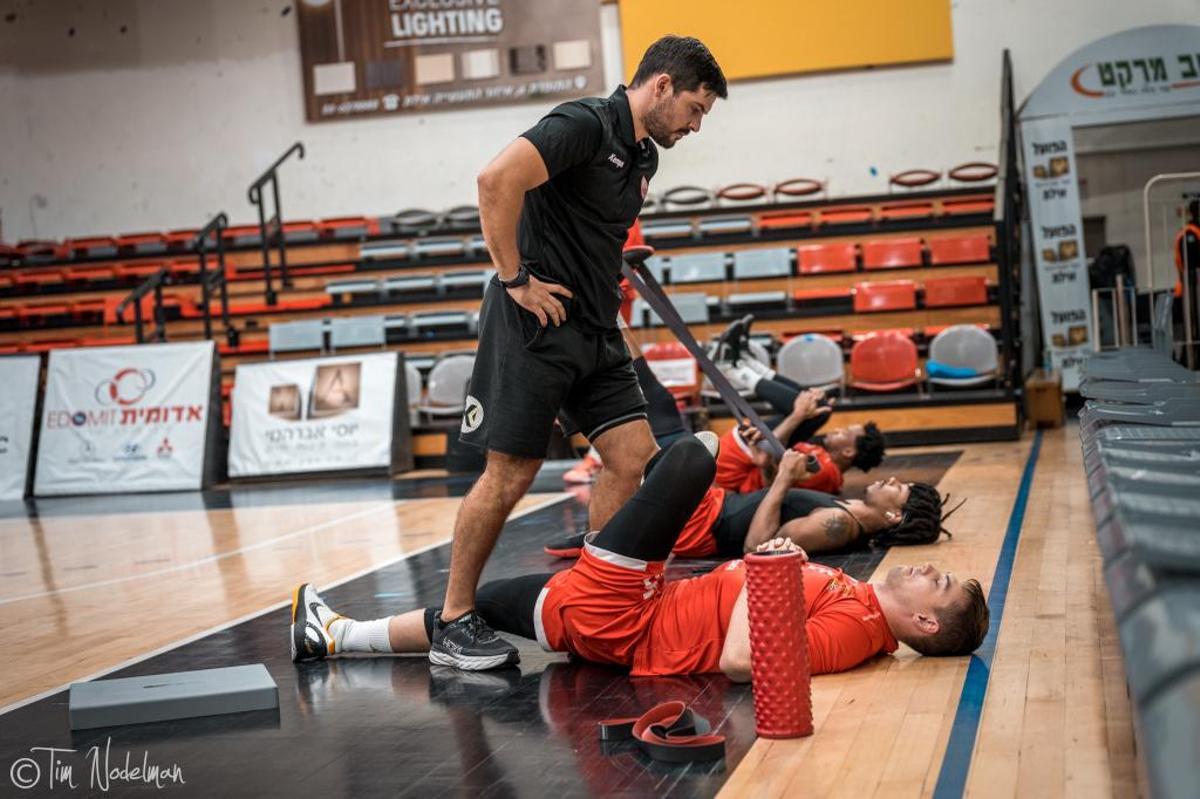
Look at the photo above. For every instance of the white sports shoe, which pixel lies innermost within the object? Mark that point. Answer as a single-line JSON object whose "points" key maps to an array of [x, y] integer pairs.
{"points": [[311, 617], [711, 442], [754, 364], [742, 377]]}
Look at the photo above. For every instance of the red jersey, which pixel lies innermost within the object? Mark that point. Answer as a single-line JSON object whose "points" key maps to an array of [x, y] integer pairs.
{"points": [[633, 238], [696, 540], [736, 471], [614, 609]]}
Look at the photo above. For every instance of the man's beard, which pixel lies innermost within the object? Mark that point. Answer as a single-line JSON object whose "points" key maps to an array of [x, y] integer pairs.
{"points": [[658, 128]]}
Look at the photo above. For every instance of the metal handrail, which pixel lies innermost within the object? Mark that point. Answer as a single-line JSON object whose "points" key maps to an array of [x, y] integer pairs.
{"points": [[153, 283], [273, 227], [216, 279]]}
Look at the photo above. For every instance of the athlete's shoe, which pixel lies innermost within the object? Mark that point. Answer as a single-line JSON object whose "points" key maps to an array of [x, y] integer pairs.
{"points": [[468, 643], [311, 617], [569, 546], [585, 471], [764, 372], [711, 442], [741, 377], [729, 344]]}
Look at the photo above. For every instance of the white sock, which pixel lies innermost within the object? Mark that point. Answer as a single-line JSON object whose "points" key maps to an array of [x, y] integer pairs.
{"points": [[361, 636]]}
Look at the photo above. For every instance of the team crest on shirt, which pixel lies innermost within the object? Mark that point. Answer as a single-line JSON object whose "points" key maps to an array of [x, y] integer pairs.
{"points": [[472, 415]]}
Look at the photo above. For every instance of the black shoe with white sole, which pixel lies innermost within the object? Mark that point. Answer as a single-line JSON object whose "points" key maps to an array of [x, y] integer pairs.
{"points": [[468, 643]]}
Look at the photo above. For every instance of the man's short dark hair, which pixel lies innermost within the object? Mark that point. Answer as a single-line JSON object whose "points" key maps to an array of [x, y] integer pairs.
{"points": [[686, 60], [868, 448], [961, 627]]}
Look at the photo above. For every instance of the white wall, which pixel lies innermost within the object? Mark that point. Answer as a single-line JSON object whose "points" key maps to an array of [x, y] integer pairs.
{"points": [[162, 125]]}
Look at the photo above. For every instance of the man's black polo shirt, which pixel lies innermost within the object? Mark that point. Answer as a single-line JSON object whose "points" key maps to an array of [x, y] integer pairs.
{"points": [[574, 225]]}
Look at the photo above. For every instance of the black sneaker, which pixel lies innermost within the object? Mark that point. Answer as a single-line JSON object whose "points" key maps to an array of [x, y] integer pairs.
{"points": [[570, 546], [729, 343], [468, 643]]}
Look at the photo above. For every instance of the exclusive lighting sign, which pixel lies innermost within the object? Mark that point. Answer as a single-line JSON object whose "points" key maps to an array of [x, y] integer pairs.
{"points": [[370, 57]]}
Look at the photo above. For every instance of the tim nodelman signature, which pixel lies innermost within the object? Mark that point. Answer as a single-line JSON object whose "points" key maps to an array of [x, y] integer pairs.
{"points": [[52, 767]]}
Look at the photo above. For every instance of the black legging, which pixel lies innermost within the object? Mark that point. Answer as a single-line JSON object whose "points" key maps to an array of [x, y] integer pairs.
{"points": [[645, 528], [666, 423]]}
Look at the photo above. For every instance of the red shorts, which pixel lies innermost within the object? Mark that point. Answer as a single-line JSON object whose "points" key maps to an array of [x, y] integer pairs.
{"points": [[600, 608]]}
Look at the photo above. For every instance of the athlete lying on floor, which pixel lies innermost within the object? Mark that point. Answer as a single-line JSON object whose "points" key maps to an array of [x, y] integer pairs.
{"points": [[727, 524], [612, 605]]}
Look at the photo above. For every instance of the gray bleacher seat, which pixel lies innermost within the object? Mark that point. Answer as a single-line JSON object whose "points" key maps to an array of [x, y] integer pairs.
{"points": [[440, 247], [354, 289], [465, 280], [302, 336], [812, 360], [743, 302], [431, 323], [395, 325], [415, 283], [476, 245], [667, 229], [1170, 727], [725, 225], [658, 267], [692, 308], [385, 251], [966, 347], [774, 262], [705, 267], [356, 331], [447, 384], [301, 236]]}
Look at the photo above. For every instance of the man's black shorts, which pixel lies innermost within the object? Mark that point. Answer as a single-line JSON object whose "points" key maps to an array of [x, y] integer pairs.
{"points": [[526, 374]]}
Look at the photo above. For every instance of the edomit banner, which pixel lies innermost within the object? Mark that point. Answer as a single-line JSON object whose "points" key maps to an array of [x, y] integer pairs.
{"points": [[314, 415], [124, 419], [18, 401]]}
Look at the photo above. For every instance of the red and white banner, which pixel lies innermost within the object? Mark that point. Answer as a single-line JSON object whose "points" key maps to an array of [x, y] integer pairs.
{"points": [[313, 415], [18, 401], [125, 419]]}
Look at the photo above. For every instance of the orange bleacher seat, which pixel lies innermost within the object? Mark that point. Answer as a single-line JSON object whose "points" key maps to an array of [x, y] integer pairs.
{"points": [[815, 259], [950, 291], [6, 282], [863, 335], [891, 253], [182, 239], [977, 205], [189, 267], [783, 221], [831, 293], [348, 227], [45, 345], [136, 271], [9, 349], [675, 368], [85, 308], [40, 250], [88, 274], [107, 341], [846, 215], [142, 242], [889, 213], [40, 312], [887, 295], [8, 314], [34, 280], [959, 250], [884, 363]]}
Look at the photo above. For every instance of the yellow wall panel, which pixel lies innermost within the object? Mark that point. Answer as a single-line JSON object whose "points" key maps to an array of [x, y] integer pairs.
{"points": [[759, 38]]}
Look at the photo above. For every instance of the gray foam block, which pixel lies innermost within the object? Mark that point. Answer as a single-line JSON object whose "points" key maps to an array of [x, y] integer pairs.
{"points": [[179, 695]]}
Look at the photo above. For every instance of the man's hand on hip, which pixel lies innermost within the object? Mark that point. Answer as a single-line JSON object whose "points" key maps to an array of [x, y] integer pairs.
{"points": [[538, 297]]}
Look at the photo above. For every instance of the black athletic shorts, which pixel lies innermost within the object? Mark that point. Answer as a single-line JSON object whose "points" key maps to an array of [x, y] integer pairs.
{"points": [[525, 374]]}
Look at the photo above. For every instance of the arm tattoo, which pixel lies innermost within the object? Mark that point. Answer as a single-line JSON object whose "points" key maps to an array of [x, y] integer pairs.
{"points": [[837, 529]]}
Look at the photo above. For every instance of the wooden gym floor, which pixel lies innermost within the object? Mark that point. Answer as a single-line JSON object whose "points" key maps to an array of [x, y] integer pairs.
{"points": [[90, 586]]}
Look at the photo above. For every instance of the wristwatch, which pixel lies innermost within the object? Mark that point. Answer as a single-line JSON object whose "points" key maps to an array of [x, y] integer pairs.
{"points": [[520, 280]]}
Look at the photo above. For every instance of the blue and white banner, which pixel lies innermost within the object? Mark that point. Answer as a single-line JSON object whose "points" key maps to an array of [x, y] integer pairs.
{"points": [[18, 401]]}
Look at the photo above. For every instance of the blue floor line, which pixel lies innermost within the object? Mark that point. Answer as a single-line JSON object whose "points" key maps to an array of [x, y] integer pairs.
{"points": [[956, 763]]}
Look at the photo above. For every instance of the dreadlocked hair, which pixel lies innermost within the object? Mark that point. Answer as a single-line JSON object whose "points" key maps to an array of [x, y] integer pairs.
{"points": [[868, 448], [921, 518]]}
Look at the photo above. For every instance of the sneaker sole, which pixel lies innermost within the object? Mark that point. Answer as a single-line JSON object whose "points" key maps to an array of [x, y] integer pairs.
{"points": [[296, 629], [470, 663]]}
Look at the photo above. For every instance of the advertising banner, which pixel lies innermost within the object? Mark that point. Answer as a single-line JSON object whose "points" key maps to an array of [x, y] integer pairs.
{"points": [[363, 57], [124, 419], [1057, 232], [18, 402], [313, 415]]}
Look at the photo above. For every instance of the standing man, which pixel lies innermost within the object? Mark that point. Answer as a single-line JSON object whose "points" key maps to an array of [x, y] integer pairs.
{"points": [[555, 207]]}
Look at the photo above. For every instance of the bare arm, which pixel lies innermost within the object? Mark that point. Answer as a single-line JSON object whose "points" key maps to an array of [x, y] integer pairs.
{"points": [[822, 530], [502, 186], [735, 654]]}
